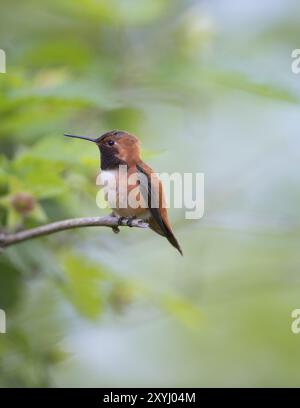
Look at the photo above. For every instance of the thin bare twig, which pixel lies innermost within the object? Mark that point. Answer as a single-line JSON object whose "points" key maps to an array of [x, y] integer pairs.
{"points": [[8, 239]]}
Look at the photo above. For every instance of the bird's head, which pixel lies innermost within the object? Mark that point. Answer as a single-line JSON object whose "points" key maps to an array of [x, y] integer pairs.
{"points": [[116, 147]]}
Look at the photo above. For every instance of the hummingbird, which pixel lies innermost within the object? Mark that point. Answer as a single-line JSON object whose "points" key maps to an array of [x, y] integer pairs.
{"points": [[120, 148]]}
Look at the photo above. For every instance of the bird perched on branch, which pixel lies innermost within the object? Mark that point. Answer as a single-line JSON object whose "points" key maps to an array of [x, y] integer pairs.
{"points": [[140, 193]]}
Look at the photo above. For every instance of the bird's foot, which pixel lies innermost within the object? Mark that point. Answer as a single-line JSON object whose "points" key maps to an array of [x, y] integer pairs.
{"points": [[129, 221], [120, 220]]}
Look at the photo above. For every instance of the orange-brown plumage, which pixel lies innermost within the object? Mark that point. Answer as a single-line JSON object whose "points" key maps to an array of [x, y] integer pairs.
{"points": [[121, 148]]}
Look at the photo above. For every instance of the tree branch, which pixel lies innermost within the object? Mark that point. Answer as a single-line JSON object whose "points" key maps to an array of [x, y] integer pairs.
{"points": [[8, 239]]}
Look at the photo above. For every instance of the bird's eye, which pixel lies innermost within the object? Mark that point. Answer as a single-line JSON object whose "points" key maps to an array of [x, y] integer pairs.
{"points": [[110, 142]]}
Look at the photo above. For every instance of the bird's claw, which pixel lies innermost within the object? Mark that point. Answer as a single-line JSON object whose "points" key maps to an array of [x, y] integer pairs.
{"points": [[129, 222], [120, 220]]}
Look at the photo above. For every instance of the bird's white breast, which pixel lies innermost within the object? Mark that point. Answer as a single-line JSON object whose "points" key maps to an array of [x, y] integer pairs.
{"points": [[108, 180], [115, 194]]}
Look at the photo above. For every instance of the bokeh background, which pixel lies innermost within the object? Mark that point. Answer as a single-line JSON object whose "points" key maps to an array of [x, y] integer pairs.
{"points": [[208, 87]]}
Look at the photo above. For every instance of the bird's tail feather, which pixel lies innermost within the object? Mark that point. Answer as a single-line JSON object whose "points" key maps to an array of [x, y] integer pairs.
{"points": [[167, 232], [173, 241]]}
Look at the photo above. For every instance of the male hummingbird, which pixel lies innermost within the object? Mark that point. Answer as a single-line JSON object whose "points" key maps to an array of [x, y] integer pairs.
{"points": [[119, 148]]}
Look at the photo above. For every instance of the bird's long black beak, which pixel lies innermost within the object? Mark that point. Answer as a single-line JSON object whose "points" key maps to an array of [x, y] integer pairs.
{"points": [[81, 137]]}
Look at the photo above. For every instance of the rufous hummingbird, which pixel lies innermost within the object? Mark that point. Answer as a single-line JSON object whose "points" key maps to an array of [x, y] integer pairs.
{"points": [[120, 148]]}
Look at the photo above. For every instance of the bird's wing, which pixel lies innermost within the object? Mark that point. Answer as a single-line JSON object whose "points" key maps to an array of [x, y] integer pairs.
{"points": [[159, 221]]}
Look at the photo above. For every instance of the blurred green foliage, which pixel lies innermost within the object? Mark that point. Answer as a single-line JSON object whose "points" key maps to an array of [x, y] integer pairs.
{"points": [[93, 309]]}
